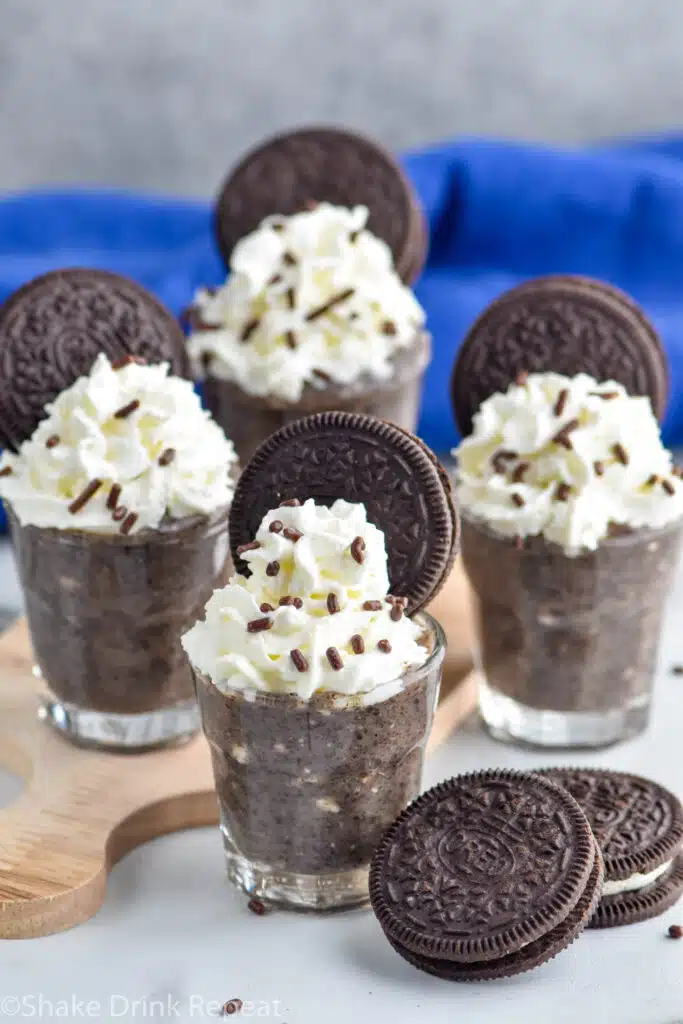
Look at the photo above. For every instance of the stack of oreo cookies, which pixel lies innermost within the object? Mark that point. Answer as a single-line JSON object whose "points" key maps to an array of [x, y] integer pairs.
{"points": [[491, 874]]}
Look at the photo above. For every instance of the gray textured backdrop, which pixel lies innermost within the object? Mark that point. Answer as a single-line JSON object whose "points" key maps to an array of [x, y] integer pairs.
{"points": [[165, 93]]}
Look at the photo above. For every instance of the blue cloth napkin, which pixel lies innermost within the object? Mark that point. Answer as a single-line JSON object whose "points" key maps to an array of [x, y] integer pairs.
{"points": [[499, 212]]}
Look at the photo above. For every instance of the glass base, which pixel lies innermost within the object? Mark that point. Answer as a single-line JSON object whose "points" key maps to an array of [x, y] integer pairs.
{"points": [[341, 890], [108, 731], [506, 719]]}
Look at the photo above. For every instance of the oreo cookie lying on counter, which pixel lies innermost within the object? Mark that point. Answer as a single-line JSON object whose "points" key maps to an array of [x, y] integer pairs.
{"points": [[638, 825], [486, 875]]}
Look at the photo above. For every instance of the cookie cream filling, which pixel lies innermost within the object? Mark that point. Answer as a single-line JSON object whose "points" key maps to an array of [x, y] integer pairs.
{"points": [[567, 459], [120, 450], [314, 615], [634, 882], [311, 298]]}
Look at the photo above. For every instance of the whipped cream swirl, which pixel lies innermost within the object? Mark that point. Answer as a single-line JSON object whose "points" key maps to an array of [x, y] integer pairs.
{"points": [[311, 298], [120, 450], [313, 616], [567, 459]]}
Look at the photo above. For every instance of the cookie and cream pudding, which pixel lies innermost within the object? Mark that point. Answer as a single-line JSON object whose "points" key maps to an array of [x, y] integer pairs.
{"points": [[118, 505]]}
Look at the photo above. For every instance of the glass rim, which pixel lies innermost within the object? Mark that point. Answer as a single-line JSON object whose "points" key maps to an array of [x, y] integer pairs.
{"points": [[174, 531], [632, 536], [412, 673]]}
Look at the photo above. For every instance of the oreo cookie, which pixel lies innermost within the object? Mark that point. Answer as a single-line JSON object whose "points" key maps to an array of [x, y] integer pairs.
{"points": [[53, 328], [486, 875], [638, 825], [357, 457], [286, 173], [563, 324]]}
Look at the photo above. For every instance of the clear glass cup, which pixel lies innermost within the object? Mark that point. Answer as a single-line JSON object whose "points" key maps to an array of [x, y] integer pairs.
{"points": [[306, 789], [106, 613], [249, 420], [568, 647]]}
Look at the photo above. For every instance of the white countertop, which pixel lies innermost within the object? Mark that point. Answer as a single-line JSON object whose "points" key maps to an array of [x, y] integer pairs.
{"points": [[174, 936]]}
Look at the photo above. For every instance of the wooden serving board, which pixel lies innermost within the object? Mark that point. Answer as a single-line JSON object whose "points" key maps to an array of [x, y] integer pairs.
{"points": [[82, 810]]}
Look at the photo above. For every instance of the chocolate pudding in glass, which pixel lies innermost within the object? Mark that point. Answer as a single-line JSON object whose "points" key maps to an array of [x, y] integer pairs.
{"points": [[312, 318], [571, 527], [118, 509], [317, 695]]}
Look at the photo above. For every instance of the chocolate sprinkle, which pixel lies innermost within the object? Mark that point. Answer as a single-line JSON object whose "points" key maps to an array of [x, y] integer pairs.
{"points": [[562, 436], [257, 907], [358, 550], [232, 1006], [259, 625], [249, 328], [599, 468], [275, 279], [128, 360], [677, 471], [372, 606], [290, 338], [652, 480], [522, 377], [290, 503], [384, 646], [333, 604], [518, 500], [84, 497], [396, 613], [675, 931], [265, 607], [357, 644], [389, 328], [562, 492], [299, 660], [289, 259], [499, 458], [285, 601], [290, 295], [127, 410], [52, 441], [668, 487], [273, 568], [561, 402], [334, 658], [677, 670], [606, 395], [297, 602], [167, 457], [119, 513], [292, 534], [322, 375], [326, 307], [620, 453], [6, 471], [129, 522], [276, 526], [253, 545], [114, 495], [520, 472]]}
